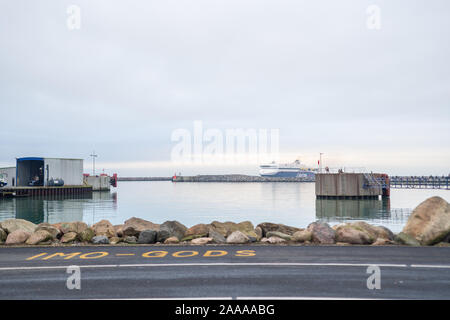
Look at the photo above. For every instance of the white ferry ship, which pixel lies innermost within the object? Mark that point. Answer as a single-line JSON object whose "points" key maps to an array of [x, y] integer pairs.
{"points": [[288, 170]]}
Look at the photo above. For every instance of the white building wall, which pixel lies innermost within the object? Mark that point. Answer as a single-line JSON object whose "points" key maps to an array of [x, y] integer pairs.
{"points": [[9, 174], [98, 183], [70, 170]]}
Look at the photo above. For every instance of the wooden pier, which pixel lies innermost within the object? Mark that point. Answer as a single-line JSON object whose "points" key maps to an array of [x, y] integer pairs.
{"points": [[44, 191]]}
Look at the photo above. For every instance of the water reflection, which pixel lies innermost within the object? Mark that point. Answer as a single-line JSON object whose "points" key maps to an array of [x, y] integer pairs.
{"points": [[344, 210], [191, 203], [53, 209], [338, 209]]}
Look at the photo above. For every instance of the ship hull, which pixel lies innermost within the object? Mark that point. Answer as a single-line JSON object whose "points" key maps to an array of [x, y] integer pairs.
{"points": [[288, 174]]}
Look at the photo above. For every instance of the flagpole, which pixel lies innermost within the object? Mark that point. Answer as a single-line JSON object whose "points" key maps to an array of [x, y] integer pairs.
{"points": [[320, 163]]}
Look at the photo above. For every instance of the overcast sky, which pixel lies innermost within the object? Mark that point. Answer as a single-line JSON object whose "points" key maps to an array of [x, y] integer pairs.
{"points": [[138, 70]]}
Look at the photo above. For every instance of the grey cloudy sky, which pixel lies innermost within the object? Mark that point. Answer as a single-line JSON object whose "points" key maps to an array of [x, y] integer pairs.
{"points": [[138, 70]]}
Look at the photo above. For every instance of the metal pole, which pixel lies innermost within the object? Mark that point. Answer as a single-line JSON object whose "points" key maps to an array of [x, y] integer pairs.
{"points": [[93, 155], [320, 163]]}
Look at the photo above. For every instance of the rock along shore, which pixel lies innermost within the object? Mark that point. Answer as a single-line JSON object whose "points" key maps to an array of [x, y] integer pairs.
{"points": [[429, 224]]}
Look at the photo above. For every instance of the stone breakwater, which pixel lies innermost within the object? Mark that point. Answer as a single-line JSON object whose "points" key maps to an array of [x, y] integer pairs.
{"points": [[429, 224], [237, 178]]}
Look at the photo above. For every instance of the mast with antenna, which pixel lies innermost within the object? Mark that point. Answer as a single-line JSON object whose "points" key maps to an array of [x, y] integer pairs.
{"points": [[93, 155]]}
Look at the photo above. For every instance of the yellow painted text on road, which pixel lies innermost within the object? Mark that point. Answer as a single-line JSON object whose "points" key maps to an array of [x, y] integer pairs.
{"points": [[155, 254], [94, 255], [37, 256], [185, 254], [215, 253], [150, 254], [245, 253], [60, 254]]}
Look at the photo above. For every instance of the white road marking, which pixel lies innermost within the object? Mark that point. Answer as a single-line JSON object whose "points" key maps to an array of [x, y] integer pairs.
{"points": [[268, 264], [182, 298], [302, 298], [231, 264], [430, 266], [249, 298]]}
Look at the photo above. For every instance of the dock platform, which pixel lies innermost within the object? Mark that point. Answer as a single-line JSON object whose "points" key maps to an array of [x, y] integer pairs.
{"points": [[351, 185], [44, 191]]}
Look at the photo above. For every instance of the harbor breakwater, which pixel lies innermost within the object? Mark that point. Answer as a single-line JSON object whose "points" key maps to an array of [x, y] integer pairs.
{"points": [[399, 182], [144, 179], [218, 178], [237, 178], [429, 224]]}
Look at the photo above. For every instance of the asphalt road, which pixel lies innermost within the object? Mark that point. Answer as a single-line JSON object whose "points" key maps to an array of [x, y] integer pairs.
{"points": [[226, 272]]}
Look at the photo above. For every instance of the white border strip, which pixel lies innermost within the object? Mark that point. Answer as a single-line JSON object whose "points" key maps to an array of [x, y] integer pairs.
{"points": [[262, 264], [430, 266], [303, 298], [249, 298]]}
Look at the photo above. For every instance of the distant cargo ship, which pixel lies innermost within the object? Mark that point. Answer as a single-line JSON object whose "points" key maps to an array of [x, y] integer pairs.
{"points": [[288, 170]]}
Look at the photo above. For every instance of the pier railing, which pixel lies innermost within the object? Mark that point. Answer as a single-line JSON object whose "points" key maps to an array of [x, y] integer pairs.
{"points": [[423, 182], [343, 170]]}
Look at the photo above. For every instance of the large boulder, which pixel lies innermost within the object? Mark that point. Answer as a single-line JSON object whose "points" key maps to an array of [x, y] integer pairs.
{"points": [[134, 226], [259, 233], [322, 233], [429, 223], [130, 240], [382, 242], [201, 241], [11, 225], [268, 226], [119, 229], [171, 240], [237, 237], [224, 228], [217, 237], [104, 228], [147, 237], [374, 232], [227, 228], [69, 237], [17, 237], [279, 235], [406, 239], [447, 239], [348, 234], [384, 233], [247, 228], [115, 240], [189, 238], [76, 226], [198, 229], [442, 244], [3, 235], [54, 231], [273, 240], [302, 236], [100, 240], [171, 229], [39, 236], [86, 235]]}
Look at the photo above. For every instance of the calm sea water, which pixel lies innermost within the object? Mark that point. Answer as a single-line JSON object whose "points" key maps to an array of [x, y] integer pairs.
{"points": [[191, 203]]}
